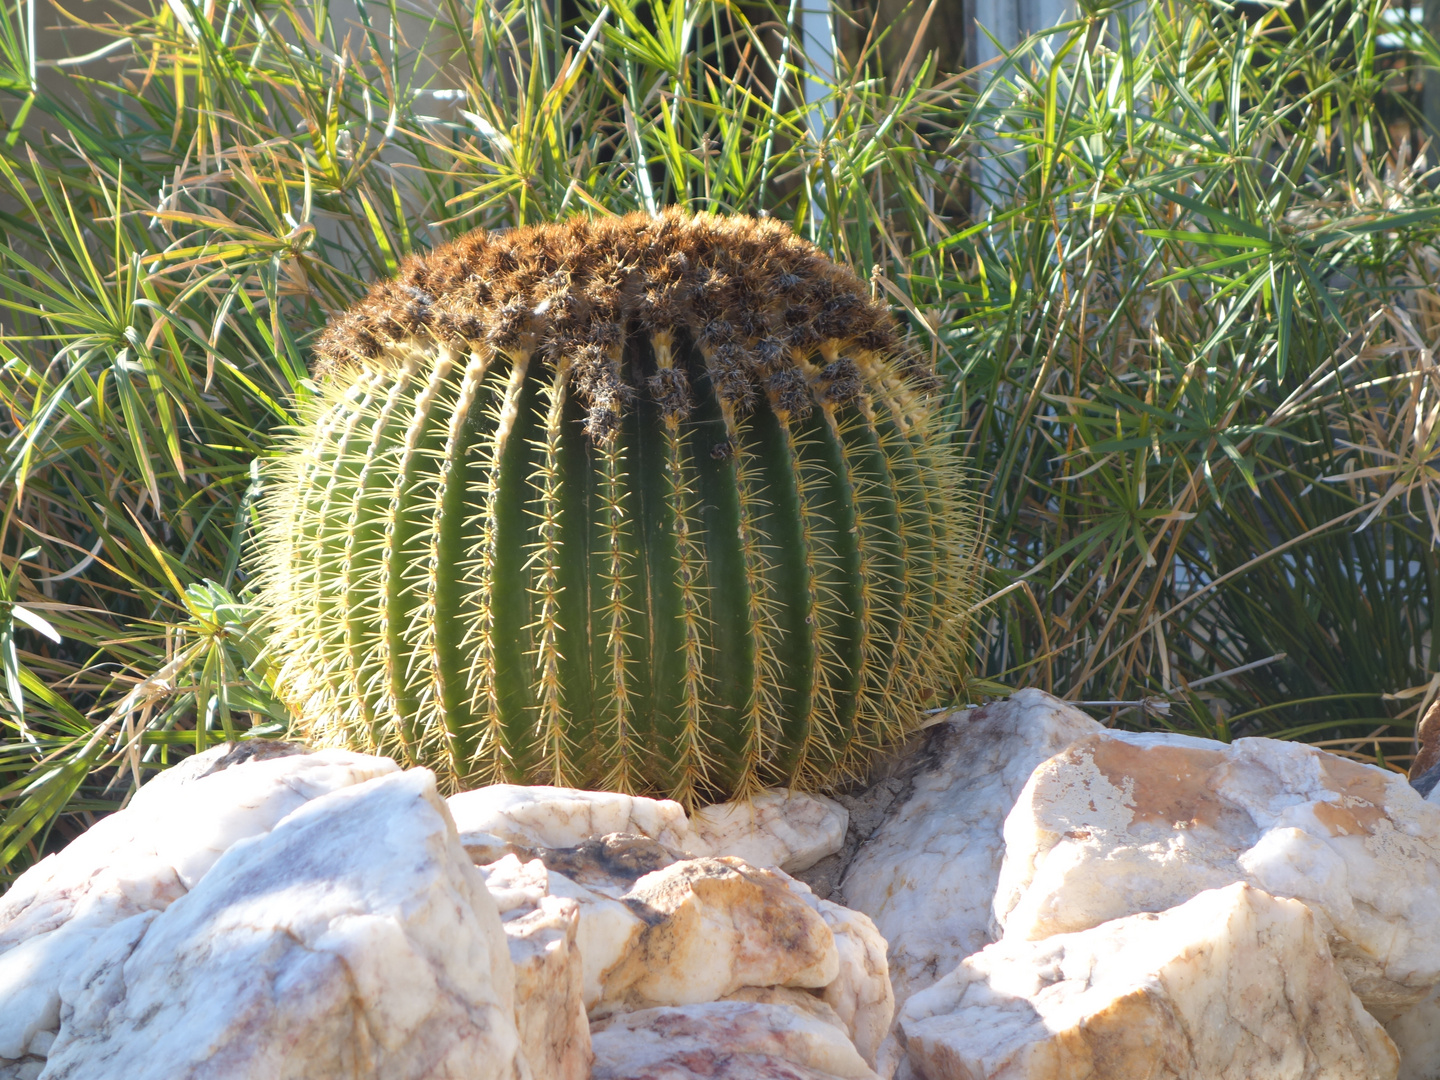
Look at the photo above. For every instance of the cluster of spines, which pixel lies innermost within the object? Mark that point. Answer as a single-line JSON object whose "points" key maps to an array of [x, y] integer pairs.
{"points": [[695, 760], [479, 579], [883, 588], [553, 720], [615, 707], [747, 292]]}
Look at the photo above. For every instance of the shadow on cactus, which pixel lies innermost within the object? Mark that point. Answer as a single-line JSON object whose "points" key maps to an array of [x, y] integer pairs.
{"points": [[653, 504]]}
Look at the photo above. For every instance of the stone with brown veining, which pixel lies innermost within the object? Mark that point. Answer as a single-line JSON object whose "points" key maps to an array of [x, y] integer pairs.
{"points": [[860, 994], [1234, 984], [549, 989], [791, 830], [927, 873], [143, 859], [724, 1040], [711, 927], [500, 818], [1120, 823], [355, 939], [605, 928]]}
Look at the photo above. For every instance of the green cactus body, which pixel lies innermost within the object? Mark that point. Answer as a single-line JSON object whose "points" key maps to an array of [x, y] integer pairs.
{"points": [[645, 504]]}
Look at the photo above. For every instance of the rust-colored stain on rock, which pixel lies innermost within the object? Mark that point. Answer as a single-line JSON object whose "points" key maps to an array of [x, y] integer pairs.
{"points": [[713, 926], [1427, 734], [1362, 797], [1171, 785]]}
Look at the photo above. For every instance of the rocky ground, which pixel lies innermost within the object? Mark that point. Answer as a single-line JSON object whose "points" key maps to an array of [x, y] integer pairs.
{"points": [[1020, 894]]}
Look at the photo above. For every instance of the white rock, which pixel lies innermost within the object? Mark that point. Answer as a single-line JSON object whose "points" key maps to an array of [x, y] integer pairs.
{"points": [[609, 927], [860, 994], [791, 830], [41, 1043], [1232, 985], [713, 926], [605, 930], [549, 1005], [927, 876], [355, 939], [608, 930], [724, 1040], [1120, 823], [1415, 1032], [556, 817], [610, 865], [516, 887], [143, 859], [804, 1000]]}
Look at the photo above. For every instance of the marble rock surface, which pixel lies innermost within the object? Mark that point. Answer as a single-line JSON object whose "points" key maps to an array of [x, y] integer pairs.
{"points": [[33, 1063], [860, 995], [143, 859], [495, 820], [1120, 823], [804, 1000], [304, 953], [786, 829], [657, 929], [725, 1040], [1416, 1034], [1234, 984], [610, 865], [789, 830], [549, 1004], [605, 926], [711, 927], [927, 875]]}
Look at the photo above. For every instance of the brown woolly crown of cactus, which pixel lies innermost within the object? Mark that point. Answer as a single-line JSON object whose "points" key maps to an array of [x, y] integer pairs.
{"points": [[649, 503]]}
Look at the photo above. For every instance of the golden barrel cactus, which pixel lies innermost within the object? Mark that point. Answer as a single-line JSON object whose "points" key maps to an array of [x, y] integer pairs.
{"points": [[648, 503]]}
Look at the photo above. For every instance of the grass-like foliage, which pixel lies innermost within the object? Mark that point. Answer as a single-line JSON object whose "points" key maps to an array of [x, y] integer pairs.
{"points": [[1191, 341], [1185, 316]]}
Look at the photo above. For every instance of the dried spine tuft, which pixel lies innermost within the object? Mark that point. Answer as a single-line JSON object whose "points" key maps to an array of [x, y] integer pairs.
{"points": [[755, 299]]}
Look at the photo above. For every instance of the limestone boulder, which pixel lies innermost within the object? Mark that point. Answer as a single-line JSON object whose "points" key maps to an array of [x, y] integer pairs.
{"points": [[713, 926], [1234, 984], [804, 1000], [860, 994], [1416, 1034], [605, 927], [693, 930], [725, 1040], [549, 990], [1120, 823], [495, 820], [927, 873], [143, 859], [610, 865], [354, 939], [786, 829]]}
